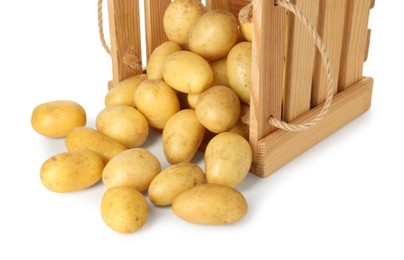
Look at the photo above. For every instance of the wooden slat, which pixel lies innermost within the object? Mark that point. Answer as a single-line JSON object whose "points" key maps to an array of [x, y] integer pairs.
{"points": [[280, 147], [300, 61], [154, 13], [125, 37], [354, 47], [218, 4], [331, 30], [269, 22], [367, 44], [237, 5]]}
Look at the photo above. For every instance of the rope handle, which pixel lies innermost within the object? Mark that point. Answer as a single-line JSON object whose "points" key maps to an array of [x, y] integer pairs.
{"points": [[317, 40]]}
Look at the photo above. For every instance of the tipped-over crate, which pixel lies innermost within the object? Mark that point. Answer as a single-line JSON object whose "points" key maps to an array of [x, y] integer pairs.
{"points": [[289, 79]]}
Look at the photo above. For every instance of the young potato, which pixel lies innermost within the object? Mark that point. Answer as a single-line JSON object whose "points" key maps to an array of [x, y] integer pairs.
{"points": [[135, 168], [169, 183], [192, 100], [187, 72], [228, 159], [124, 124], [245, 18], [179, 17], [124, 209], [242, 128], [157, 102], [212, 204], [72, 171], [57, 118], [219, 68], [87, 138], [218, 109], [122, 94], [182, 136], [239, 63], [214, 34], [158, 57]]}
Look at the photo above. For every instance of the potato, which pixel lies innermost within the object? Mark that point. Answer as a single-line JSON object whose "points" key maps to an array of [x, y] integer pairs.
{"points": [[219, 68], [245, 19], [192, 100], [214, 34], [57, 118], [122, 94], [72, 171], [157, 102], [135, 168], [218, 109], [239, 62], [242, 128], [87, 138], [182, 136], [210, 204], [124, 209], [179, 17], [174, 180], [187, 72], [158, 57], [228, 159], [124, 124]]}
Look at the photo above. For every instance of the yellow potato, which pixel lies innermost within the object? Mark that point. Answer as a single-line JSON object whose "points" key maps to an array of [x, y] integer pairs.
{"points": [[72, 171], [182, 136], [179, 18], [210, 204], [174, 180], [135, 168], [239, 62], [122, 94], [242, 127], [124, 209], [245, 18], [228, 159], [124, 124], [157, 102], [57, 118], [214, 34], [218, 109], [87, 138], [187, 72], [219, 68], [192, 100], [158, 57]]}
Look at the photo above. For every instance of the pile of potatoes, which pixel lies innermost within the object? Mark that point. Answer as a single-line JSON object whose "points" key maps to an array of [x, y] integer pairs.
{"points": [[197, 84]]}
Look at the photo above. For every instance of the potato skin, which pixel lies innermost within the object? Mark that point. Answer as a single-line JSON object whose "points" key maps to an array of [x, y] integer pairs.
{"points": [[214, 34], [239, 65], [157, 101], [182, 136], [87, 138], [219, 68], [72, 171], [122, 94], [124, 209], [57, 118], [228, 159], [179, 18], [218, 109], [187, 72], [135, 168], [212, 204], [124, 124], [172, 181], [158, 57]]}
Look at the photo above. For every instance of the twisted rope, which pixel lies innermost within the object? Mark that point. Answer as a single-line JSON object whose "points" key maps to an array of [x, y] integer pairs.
{"points": [[101, 28], [328, 67]]}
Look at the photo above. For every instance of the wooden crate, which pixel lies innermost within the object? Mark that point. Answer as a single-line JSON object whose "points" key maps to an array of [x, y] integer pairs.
{"points": [[289, 81]]}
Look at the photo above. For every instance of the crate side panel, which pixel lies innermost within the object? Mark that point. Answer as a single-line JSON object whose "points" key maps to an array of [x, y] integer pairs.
{"points": [[124, 24], [331, 30], [269, 23], [355, 43], [300, 61], [154, 13], [218, 4]]}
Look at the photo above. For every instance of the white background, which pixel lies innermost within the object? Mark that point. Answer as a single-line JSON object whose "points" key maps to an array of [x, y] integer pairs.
{"points": [[343, 199]]}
